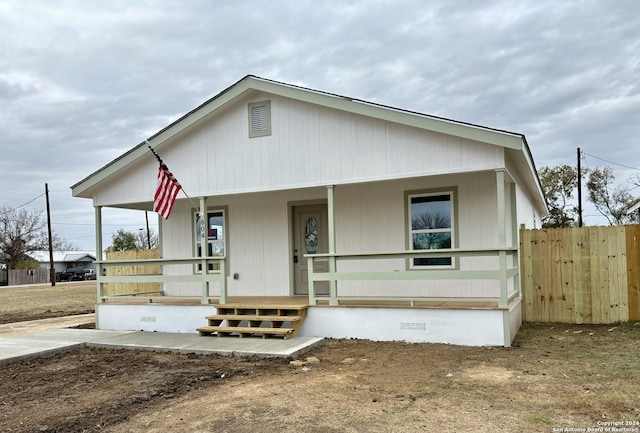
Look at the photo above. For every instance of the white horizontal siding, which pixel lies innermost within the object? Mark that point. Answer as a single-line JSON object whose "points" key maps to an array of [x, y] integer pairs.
{"points": [[258, 242], [368, 217], [371, 217], [309, 146]]}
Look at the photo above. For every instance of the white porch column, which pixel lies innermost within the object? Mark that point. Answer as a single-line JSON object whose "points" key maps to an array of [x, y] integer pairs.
{"points": [[502, 236], [204, 250], [160, 249], [502, 244], [333, 292], [515, 236], [98, 221]]}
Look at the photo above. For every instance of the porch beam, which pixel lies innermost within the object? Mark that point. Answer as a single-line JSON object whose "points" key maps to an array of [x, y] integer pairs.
{"points": [[333, 291]]}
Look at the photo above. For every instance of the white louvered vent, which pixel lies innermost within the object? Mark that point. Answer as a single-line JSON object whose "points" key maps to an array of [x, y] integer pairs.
{"points": [[260, 119]]}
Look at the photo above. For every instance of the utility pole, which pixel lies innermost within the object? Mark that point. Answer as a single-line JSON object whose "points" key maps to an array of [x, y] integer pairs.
{"points": [[52, 270], [146, 216], [579, 191]]}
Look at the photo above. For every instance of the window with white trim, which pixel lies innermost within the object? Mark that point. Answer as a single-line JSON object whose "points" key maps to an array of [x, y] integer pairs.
{"points": [[259, 119], [215, 237], [431, 227]]}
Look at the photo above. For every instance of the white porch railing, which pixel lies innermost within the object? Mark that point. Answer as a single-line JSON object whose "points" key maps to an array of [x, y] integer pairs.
{"points": [[205, 278], [501, 274]]}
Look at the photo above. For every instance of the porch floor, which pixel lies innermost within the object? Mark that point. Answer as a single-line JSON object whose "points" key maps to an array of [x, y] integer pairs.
{"points": [[301, 301]]}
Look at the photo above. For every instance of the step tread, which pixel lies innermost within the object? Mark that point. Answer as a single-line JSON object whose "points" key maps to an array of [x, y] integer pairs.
{"points": [[262, 307], [245, 330], [266, 318]]}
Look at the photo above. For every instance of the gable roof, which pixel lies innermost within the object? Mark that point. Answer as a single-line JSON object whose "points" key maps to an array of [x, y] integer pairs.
{"points": [[251, 83], [633, 207], [63, 256]]}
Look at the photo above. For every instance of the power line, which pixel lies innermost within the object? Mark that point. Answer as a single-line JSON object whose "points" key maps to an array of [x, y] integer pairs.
{"points": [[610, 162], [24, 204], [628, 180]]}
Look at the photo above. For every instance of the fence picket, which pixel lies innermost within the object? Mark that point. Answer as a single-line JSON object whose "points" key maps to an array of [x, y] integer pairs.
{"points": [[632, 238]]}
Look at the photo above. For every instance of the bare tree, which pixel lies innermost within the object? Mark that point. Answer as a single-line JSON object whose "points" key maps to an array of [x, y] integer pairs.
{"points": [[146, 240], [22, 232]]}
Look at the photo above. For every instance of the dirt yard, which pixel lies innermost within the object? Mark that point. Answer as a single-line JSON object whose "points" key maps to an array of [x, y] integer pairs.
{"points": [[555, 378]]}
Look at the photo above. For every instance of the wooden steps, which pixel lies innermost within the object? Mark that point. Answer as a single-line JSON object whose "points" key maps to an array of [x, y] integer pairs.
{"points": [[252, 321]]}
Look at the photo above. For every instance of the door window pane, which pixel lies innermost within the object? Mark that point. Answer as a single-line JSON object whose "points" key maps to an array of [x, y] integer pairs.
{"points": [[311, 236], [215, 237]]}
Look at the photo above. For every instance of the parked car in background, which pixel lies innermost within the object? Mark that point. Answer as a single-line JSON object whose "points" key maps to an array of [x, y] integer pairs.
{"points": [[71, 274], [90, 274]]}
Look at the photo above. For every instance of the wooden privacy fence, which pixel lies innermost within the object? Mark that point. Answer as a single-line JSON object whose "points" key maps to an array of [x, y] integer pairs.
{"points": [[28, 276], [115, 289], [581, 275]]}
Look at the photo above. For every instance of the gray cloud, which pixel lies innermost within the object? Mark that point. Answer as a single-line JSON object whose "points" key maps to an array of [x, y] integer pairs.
{"points": [[83, 82]]}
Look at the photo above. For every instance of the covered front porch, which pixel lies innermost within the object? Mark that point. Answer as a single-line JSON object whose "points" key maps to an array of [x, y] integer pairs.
{"points": [[376, 291]]}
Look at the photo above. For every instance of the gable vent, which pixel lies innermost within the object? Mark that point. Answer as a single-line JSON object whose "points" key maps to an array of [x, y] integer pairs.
{"points": [[259, 119]]}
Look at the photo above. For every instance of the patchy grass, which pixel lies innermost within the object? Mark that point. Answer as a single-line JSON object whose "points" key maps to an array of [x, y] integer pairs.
{"points": [[21, 303]]}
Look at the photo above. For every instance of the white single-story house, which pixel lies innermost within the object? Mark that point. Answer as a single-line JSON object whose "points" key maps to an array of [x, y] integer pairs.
{"points": [[378, 223], [63, 260]]}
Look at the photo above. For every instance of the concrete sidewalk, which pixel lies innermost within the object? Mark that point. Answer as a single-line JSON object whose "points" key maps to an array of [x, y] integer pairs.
{"points": [[20, 328], [26, 340]]}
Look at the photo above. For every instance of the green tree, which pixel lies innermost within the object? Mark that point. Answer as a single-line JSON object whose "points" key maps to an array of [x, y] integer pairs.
{"points": [[123, 240], [609, 200], [559, 185]]}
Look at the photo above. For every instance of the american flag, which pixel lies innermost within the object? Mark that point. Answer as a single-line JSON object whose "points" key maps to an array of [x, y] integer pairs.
{"points": [[167, 189]]}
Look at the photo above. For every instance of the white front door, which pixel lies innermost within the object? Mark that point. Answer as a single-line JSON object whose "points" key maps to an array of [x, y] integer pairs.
{"points": [[310, 236]]}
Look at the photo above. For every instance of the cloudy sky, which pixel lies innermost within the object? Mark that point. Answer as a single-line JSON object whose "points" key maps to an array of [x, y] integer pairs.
{"points": [[81, 82]]}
